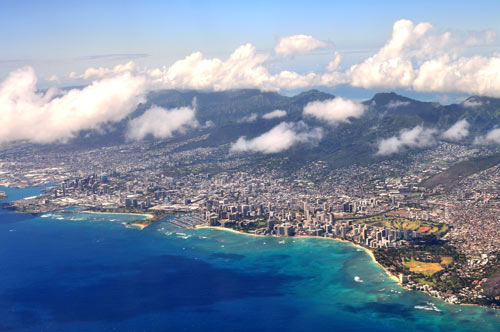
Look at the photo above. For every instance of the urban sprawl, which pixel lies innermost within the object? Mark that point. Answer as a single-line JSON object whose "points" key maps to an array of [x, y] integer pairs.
{"points": [[444, 242]]}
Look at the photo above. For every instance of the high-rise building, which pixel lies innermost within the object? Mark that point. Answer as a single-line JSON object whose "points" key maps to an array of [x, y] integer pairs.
{"points": [[331, 218], [348, 208], [364, 233], [308, 216]]}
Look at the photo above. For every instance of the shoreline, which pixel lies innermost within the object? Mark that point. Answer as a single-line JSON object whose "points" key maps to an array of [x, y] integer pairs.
{"points": [[220, 228], [368, 251], [140, 226], [147, 215]]}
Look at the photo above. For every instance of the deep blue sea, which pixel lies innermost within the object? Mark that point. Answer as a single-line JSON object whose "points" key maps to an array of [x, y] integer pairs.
{"points": [[86, 272]]}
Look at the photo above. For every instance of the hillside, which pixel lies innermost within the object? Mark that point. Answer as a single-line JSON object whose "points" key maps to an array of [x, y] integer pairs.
{"points": [[343, 144], [461, 170]]}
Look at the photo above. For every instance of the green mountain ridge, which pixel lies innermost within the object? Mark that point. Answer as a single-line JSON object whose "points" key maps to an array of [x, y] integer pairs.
{"points": [[343, 144]]}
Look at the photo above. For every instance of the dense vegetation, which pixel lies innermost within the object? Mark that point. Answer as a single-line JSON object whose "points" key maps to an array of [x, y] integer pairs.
{"points": [[432, 264]]}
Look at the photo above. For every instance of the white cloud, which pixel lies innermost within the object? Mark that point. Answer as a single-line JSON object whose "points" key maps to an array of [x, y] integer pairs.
{"points": [[475, 75], [416, 59], [335, 63], [208, 124], [53, 78], [104, 72], [472, 103], [243, 69], [161, 123], [274, 114], [391, 66], [299, 44], [334, 110], [59, 115], [479, 38], [248, 119], [408, 138], [493, 136], [278, 139], [458, 131], [397, 104]]}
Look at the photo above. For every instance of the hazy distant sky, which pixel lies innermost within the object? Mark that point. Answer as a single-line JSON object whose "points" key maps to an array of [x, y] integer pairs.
{"points": [[59, 37], [43, 32]]}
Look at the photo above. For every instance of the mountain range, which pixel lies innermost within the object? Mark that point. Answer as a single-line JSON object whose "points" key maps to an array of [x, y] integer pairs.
{"points": [[229, 115]]}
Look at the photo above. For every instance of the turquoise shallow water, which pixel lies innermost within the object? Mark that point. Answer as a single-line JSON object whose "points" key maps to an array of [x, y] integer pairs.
{"points": [[82, 272]]}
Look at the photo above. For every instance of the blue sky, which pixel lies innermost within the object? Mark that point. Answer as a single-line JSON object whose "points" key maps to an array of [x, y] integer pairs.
{"points": [[68, 29], [56, 37]]}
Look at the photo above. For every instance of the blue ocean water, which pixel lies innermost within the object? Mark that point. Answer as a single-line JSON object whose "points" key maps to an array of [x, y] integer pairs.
{"points": [[14, 194], [86, 272]]}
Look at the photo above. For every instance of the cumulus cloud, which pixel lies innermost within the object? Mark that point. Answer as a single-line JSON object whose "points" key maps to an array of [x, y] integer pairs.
{"points": [[59, 115], [414, 57], [278, 139], [162, 123], [391, 66], [492, 137], [299, 44], [248, 119], [458, 131], [397, 104], [103, 72], [476, 75], [335, 63], [418, 137], [274, 114], [243, 69], [417, 59], [334, 110]]}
